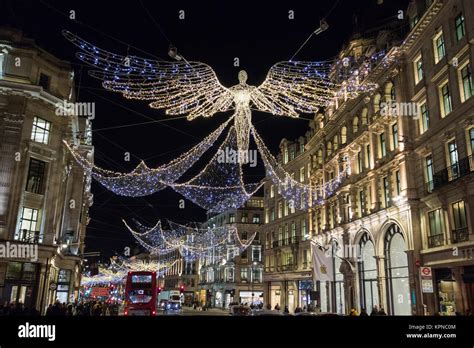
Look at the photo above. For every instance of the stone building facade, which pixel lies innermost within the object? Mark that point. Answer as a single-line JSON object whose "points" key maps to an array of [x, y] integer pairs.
{"points": [[405, 202], [44, 194], [287, 256], [230, 277]]}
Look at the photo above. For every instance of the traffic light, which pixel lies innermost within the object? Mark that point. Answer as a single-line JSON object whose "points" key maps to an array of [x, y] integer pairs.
{"points": [[181, 289], [159, 290]]}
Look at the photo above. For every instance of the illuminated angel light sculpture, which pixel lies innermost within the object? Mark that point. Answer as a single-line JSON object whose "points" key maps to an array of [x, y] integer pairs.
{"points": [[192, 88]]}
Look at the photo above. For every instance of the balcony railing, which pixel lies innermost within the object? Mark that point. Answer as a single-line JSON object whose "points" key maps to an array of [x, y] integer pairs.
{"points": [[455, 171], [29, 236], [288, 267], [436, 240], [460, 235]]}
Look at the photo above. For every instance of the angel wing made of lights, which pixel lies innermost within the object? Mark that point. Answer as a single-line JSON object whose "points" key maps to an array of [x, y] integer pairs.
{"points": [[192, 88], [180, 88]]}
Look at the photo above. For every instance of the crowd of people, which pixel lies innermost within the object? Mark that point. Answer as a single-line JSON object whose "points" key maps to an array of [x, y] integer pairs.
{"points": [[82, 308]]}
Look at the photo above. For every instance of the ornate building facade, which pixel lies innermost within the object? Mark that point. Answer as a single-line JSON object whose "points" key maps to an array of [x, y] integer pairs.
{"points": [[404, 150], [44, 194], [231, 277], [287, 256]]}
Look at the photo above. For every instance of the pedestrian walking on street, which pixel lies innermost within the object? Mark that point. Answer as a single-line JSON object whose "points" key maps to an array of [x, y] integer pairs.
{"points": [[375, 310], [286, 310]]}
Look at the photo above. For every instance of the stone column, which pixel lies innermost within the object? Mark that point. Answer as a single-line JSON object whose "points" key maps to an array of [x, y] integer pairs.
{"points": [[10, 133], [381, 283]]}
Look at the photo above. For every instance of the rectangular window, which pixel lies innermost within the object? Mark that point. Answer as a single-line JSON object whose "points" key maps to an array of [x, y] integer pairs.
{"points": [[256, 254], [453, 169], [40, 131], [429, 172], [445, 96], [245, 218], [395, 136], [303, 228], [439, 48], [386, 191], [397, 180], [301, 147], [362, 202], [424, 118], [292, 153], [285, 156], [459, 215], [359, 162], [29, 226], [435, 222], [471, 140], [367, 155], [44, 81], [35, 179], [466, 82], [256, 219], [272, 191], [302, 170], [383, 145], [231, 218], [418, 66], [459, 27], [244, 274]]}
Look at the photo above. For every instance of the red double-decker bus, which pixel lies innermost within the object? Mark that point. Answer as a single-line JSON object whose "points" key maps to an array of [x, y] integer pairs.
{"points": [[140, 293]]}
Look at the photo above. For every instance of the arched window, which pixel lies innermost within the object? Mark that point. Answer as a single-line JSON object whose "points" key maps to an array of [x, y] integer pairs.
{"points": [[365, 116], [320, 156], [368, 290], [396, 264], [328, 149], [336, 142], [344, 135], [355, 125], [377, 102]]}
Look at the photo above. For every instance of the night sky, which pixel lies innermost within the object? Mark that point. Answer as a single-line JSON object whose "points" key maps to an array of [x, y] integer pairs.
{"points": [[214, 32]]}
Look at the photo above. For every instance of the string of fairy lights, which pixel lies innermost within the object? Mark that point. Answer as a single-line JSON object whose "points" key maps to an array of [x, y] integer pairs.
{"points": [[192, 242], [119, 268]]}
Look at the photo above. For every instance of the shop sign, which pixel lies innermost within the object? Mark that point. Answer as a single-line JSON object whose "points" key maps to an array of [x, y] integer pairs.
{"points": [[426, 277]]}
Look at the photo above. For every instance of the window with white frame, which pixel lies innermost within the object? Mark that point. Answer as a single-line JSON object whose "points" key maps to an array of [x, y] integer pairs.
{"points": [[41, 130], [29, 227], [302, 174], [424, 117], [445, 99], [418, 68], [438, 46], [459, 27], [465, 80]]}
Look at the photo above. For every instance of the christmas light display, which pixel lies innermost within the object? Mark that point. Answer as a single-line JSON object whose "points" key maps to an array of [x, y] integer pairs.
{"points": [[142, 180], [220, 185], [192, 88], [192, 242]]}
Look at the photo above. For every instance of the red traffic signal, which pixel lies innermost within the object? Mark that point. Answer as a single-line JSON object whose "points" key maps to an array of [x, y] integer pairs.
{"points": [[158, 290], [181, 289]]}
